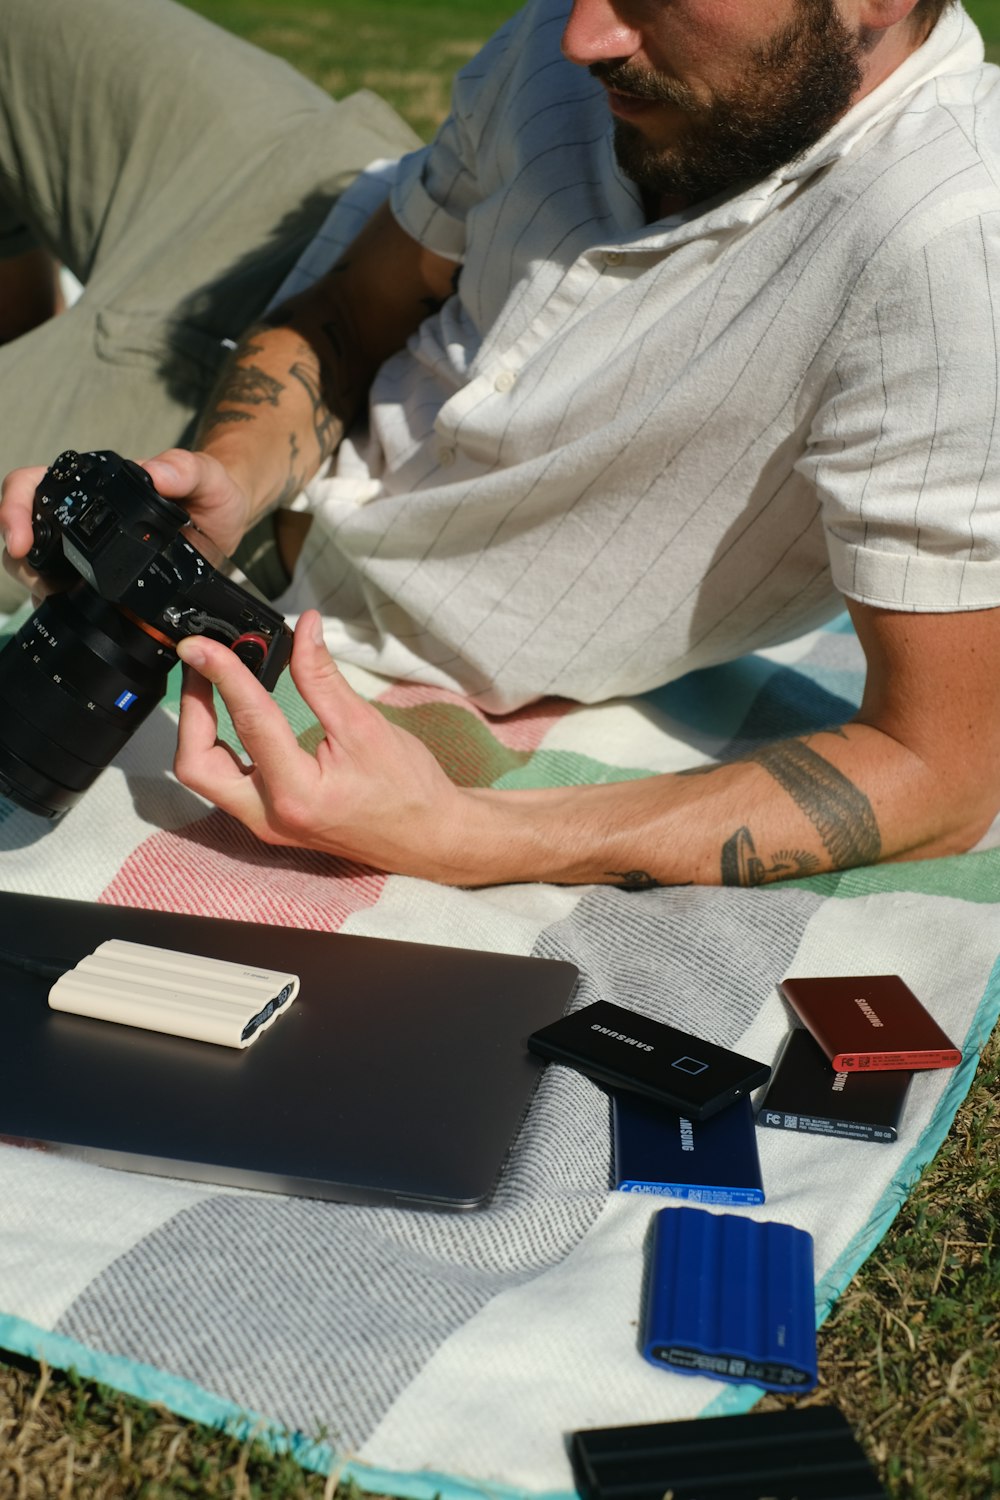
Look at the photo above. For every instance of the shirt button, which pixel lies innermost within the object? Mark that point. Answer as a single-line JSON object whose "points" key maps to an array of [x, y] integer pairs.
{"points": [[613, 258], [505, 381], [446, 457]]}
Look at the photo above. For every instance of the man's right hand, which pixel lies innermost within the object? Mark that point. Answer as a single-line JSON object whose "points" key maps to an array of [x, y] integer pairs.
{"points": [[15, 523], [196, 481]]}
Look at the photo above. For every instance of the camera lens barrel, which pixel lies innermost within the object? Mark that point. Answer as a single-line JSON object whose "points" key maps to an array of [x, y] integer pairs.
{"points": [[75, 683]]}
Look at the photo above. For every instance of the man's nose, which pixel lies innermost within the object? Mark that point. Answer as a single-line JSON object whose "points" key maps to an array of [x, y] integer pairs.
{"points": [[595, 32]]}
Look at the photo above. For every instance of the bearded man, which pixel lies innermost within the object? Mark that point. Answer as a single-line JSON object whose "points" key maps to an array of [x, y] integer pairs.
{"points": [[682, 332]]}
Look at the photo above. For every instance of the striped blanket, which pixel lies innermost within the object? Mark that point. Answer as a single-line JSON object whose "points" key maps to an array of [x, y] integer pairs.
{"points": [[442, 1354]]}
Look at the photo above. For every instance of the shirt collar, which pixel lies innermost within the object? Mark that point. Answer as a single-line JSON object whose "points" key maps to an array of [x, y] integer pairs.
{"points": [[953, 46]]}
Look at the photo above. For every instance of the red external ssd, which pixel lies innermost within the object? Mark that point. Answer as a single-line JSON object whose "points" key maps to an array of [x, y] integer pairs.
{"points": [[870, 1023]]}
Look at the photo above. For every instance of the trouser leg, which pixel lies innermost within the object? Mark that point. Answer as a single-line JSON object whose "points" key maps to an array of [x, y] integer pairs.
{"points": [[179, 173]]}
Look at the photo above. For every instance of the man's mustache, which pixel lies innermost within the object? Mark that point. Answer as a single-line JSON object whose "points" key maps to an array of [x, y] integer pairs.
{"points": [[640, 83]]}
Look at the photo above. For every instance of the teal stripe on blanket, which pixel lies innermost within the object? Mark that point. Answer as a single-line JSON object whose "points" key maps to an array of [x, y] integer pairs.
{"points": [[965, 877], [754, 698], [196, 1404], [565, 768]]}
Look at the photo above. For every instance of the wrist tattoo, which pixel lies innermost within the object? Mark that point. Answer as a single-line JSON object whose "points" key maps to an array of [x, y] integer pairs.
{"points": [[634, 880], [220, 418], [249, 385]]}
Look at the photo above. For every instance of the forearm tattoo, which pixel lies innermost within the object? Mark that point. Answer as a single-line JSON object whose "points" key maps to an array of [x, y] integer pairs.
{"points": [[240, 389], [245, 387], [327, 428], [297, 477], [838, 810], [741, 864]]}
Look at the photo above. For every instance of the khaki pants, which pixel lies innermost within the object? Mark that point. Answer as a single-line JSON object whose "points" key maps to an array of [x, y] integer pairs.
{"points": [[179, 173]]}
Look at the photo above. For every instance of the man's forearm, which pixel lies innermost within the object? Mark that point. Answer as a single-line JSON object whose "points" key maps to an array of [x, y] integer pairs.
{"points": [[278, 412], [799, 807], [300, 378]]}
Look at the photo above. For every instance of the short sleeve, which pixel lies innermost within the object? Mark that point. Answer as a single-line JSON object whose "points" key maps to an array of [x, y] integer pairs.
{"points": [[904, 451], [438, 186]]}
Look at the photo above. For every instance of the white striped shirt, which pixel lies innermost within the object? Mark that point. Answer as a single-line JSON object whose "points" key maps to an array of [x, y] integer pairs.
{"points": [[623, 451]]}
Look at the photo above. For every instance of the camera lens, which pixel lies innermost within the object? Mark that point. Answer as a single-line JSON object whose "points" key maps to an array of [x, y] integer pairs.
{"points": [[75, 683]]}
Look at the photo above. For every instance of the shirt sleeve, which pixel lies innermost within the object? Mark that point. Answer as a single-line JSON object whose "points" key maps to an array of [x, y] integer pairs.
{"points": [[905, 449], [438, 186]]}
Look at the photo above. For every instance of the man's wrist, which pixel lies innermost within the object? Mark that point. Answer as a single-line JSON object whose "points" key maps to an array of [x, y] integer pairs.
{"points": [[561, 835]]}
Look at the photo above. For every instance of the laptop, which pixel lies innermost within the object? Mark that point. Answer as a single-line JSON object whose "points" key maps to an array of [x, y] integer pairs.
{"points": [[399, 1075]]}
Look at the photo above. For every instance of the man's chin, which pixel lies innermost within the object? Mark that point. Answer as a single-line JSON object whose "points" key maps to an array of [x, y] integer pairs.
{"points": [[651, 166]]}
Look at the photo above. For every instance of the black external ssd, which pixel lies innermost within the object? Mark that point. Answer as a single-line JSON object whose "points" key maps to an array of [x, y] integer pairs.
{"points": [[626, 1051], [791, 1454], [809, 1095]]}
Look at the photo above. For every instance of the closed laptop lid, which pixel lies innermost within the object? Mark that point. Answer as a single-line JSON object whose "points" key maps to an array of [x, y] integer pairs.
{"points": [[398, 1075]]}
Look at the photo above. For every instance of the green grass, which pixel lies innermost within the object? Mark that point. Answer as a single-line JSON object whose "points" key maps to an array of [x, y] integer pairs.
{"points": [[406, 50], [986, 14], [910, 1353]]}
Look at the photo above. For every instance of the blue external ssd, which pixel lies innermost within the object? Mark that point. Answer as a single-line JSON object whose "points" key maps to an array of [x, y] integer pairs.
{"points": [[703, 1161], [731, 1299]]}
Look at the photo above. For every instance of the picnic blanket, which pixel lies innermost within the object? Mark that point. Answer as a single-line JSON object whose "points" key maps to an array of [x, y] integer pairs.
{"points": [[444, 1354]]}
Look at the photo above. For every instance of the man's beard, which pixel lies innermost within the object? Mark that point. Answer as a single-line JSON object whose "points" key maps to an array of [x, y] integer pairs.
{"points": [[791, 92]]}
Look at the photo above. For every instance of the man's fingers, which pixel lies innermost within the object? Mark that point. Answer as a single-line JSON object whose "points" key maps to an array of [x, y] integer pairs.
{"points": [[339, 709], [262, 728], [177, 473], [15, 509], [198, 725]]}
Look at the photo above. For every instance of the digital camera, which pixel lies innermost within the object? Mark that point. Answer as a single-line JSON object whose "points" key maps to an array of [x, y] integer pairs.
{"points": [[91, 663]]}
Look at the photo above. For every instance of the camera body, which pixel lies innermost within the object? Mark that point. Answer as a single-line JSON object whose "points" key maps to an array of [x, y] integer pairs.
{"points": [[98, 517], [91, 663]]}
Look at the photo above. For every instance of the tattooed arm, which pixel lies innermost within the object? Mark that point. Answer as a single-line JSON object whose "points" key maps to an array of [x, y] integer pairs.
{"points": [[297, 380], [915, 774]]}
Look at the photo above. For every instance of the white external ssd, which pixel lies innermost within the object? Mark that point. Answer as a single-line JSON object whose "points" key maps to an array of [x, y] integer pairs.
{"points": [[182, 994]]}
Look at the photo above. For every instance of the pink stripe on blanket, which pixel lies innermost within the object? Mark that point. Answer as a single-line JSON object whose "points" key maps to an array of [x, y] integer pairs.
{"points": [[216, 868], [524, 729]]}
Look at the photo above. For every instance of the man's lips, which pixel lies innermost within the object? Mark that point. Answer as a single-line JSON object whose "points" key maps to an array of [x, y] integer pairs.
{"points": [[628, 106]]}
